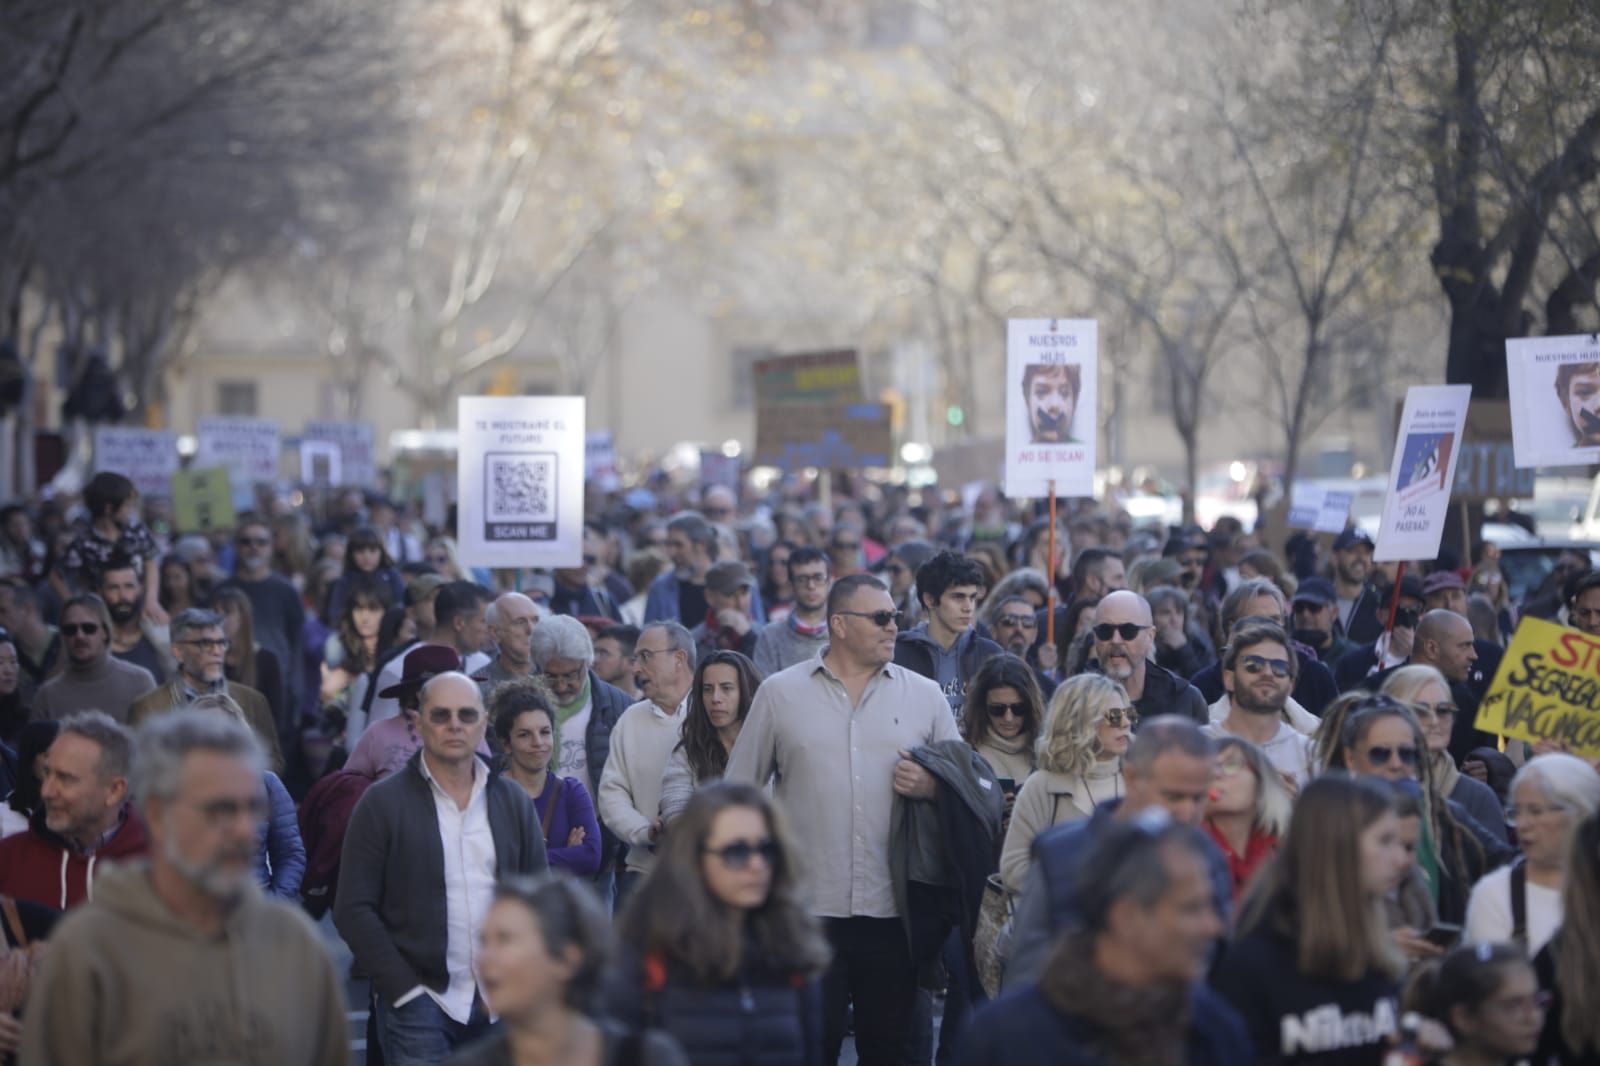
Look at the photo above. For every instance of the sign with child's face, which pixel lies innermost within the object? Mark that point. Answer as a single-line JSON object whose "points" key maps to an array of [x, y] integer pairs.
{"points": [[1554, 384], [1051, 406]]}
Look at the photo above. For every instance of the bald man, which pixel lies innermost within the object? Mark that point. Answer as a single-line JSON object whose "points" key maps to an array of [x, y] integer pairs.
{"points": [[1444, 641], [1124, 635], [511, 620]]}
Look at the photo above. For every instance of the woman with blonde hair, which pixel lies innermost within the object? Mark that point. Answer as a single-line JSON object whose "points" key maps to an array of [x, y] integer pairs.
{"points": [[1249, 809], [1425, 690], [1087, 728], [1314, 936]]}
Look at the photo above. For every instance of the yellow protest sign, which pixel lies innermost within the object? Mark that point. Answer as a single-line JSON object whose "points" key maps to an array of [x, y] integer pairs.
{"points": [[1547, 688], [202, 500]]}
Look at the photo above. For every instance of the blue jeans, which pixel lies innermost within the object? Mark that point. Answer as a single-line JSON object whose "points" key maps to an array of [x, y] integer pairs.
{"points": [[422, 1034]]}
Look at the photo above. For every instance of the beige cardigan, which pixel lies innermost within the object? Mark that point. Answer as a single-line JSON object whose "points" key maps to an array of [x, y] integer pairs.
{"points": [[1049, 798]]}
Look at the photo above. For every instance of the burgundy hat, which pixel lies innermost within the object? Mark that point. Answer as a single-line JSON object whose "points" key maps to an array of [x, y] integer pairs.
{"points": [[1441, 580], [422, 664]]}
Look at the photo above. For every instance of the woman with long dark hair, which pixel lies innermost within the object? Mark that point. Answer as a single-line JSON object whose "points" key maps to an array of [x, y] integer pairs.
{"points": [[365, 557], [1487, 998], [721, 953], [1314, 942], [14, 711], [354, 650], [1002, 716], [177, 589], [246, 662], [543, 953], [724, 686]]}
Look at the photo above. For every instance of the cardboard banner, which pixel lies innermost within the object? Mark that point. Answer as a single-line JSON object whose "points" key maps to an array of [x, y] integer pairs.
{"points": [[202, 500], [1318, 508], [519, 479], [1423, 472], [248, 448], [1547, 688], [358, 450], [147, 457], [811, 411], [1554, 384], [1052, 406]]}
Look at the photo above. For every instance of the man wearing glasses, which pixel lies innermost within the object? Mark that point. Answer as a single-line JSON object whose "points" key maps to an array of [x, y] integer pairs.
{"points": [[804, 633], [279, 613], [836, 731], [444, 820], [1258, 672], [1124, 633], [200, 645], [93, 680]]}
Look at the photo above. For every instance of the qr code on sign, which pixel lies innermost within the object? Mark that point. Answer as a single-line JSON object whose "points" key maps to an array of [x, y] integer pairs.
{"points": [[521, 487]]}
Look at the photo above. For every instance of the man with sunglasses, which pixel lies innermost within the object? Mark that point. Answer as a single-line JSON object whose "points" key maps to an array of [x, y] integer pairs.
{"points": [[836, 731], [93, 679], [1124, 635], [276, 607], [445, 821], [200, 645], [1258, 671]]}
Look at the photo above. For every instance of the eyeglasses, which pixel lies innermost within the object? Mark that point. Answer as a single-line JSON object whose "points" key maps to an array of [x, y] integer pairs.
{"points": [[214, 644], [808, 580], [571, 677], [881, 619], [220, 812], [1000, 710], [464, 715], [1381, 754], [846, 545], [1125, 630], [1438, 710], [1229, 767], [1530, 812], [644, 655], [1117, 717], [252, 542], [737, 856], [1256, 664], [73, 629], [1020, 621]]}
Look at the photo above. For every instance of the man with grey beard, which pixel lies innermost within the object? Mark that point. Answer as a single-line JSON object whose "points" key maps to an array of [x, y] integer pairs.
{"points": [[182, 959], [1124, 635]]}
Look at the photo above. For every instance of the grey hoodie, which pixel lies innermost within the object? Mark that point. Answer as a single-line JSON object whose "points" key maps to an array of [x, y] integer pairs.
{"points": [[126, 982]]}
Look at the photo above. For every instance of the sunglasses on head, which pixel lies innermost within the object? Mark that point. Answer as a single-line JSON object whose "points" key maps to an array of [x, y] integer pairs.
{"points": [[73, 629], [1256, 664], [737, 856], [1125, 630], [442, 715], [1380, 754]]}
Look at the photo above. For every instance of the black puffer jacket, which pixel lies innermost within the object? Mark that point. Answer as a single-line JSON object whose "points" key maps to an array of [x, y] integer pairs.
{"points": [[761, 1018]]}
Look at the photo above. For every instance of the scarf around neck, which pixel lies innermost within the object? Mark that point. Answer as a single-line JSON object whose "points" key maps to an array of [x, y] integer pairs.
{"points": [[1130, 1026]]}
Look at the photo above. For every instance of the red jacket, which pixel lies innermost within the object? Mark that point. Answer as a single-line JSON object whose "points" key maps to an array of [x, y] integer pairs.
{"points": [[1241, 868], [39, 866]]}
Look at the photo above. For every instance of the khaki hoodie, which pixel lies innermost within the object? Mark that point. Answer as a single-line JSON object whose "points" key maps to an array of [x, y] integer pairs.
{"points": [[124, 982]]}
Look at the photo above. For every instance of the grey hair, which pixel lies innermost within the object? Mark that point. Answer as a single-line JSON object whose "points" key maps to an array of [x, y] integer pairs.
{"points": [[1024, 578], [561, 637], [1566, 781], [679, 639], [168, 739], [1162, 734], [114, 740], [693, 525], [193, 618], [1233, 603]]}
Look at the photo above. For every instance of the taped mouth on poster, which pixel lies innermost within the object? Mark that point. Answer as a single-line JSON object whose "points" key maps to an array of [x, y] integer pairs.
{"points": [[520, 479]]}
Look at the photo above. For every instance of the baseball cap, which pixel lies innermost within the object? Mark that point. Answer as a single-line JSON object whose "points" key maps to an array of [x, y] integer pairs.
{"points": [[1350, 538], [1317, 590], [1441, 580], [422, 586], [728, 577]]}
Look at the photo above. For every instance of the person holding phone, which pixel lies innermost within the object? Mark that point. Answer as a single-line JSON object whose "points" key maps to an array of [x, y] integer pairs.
{"points": [[1001, 720]]}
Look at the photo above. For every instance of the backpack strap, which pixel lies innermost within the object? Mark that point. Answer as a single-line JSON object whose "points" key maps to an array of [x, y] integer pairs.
{"points": [[14, 921], [550, 811], [1519, 901]]}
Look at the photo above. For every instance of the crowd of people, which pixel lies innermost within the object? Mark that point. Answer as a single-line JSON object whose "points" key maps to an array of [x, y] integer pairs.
{"points": [[759, 777]]}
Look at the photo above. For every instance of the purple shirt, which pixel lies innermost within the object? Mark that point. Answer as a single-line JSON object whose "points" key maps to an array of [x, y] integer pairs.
{"points": [[573, 808], [388, 745]]}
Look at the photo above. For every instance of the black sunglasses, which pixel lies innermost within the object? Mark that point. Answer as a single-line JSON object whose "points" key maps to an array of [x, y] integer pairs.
{"points": [[1021, 621], [1381, 754], [1255, 664], [1125, 630], [1000, 710], [737, 856], [73, 629], [881, 619]]}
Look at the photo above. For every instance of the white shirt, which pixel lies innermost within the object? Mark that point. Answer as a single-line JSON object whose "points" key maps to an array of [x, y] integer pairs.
{"points": [[573, 758], [1289, 750], [469, 873], [1489, 911]]}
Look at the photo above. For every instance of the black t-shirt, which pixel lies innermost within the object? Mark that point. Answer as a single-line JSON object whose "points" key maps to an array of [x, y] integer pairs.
{"points": [[144, 654], [1297, 1019]]}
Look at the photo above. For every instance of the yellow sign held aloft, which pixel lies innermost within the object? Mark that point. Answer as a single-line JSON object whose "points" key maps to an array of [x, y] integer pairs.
{"points": [[1547, 688]]}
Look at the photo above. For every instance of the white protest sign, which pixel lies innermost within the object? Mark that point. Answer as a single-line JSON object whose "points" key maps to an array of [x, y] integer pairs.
{"points": [[320, 463], [1423, 472], [600, 460], [147, 457], [1319, 508], [247, 448], [358, 450], [1554, 384], [519, 479], [1051, 406]]}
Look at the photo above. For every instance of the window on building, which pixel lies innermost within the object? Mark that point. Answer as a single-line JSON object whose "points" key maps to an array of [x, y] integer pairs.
{"points": [[237, 398]]}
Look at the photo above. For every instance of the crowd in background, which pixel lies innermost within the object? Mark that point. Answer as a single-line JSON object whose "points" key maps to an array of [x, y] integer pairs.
{"points": [[761, 775]]}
